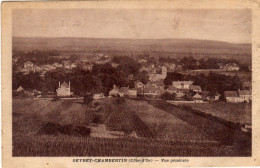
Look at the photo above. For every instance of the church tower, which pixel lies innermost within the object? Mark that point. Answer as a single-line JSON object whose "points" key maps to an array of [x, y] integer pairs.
{"points": [[164, 71]]}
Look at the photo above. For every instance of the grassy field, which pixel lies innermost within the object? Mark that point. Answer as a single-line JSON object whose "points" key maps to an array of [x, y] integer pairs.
{"points": [[236, 113], [60, 128]]}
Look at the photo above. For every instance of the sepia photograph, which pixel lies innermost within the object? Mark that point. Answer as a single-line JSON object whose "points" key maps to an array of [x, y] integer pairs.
{"points": [[132, 82]]}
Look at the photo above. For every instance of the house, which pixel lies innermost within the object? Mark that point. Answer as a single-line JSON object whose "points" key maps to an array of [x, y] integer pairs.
{"points": [[158, 83], [67, 64], [245, 95], [97, 96], [141, 61], [195, 88], [114, 65], [238, 96], [123, 91], [197, 98], [20, 89], [152, 91], [87, 67], [247, 85], [114, 91], [231, 96], [64, 90], [73, 65], [48, 67], [231, 67], [179, 92], [57, 65], [182, 84], [36, 93], [28, 66], [25, 71], [132, 93], [170, 66], [37, 68], [138, 84], [216, 96], [130, 77], [156, 77], [172, 89]]}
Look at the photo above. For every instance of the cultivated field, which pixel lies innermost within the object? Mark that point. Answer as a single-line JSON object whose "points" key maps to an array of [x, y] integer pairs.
{"points": [[111, 127], [236, 113]]}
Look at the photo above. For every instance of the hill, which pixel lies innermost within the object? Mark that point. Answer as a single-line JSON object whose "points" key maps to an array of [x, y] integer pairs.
{"points": [[171, 47]]}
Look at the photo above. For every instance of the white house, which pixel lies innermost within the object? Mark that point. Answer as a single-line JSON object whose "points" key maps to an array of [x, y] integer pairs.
{"points": [[28, 66], [245, 95], [114, 91], [197, 98], [97, 96], [195, 88], [182, 84], [64, 90]]}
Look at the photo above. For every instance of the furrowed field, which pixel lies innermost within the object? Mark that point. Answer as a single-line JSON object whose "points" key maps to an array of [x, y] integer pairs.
{"points": [[234, 112], [117, 127]]}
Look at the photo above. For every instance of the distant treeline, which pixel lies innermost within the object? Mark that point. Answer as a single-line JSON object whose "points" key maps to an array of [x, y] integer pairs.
{"points": [[214, 83], [102, 78]]}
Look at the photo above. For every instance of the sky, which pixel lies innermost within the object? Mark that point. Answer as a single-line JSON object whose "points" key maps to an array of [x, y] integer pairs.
{"points": [[229, 25]]}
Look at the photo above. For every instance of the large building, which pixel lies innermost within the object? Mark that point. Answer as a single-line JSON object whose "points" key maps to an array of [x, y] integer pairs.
{"points": [[156, 77], [238, 96], [28, 66], [64, 90]]}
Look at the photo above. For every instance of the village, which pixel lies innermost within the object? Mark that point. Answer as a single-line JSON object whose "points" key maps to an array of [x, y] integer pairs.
{"points": [[153, 87], [113, 100]]}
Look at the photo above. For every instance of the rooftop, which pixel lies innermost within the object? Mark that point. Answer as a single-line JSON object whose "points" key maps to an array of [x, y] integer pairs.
{"points": [[230, 94]]}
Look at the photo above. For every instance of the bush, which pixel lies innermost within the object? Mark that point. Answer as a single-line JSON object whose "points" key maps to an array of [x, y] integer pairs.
{"points": [[96, 119], [88, 99], [96, 103]]}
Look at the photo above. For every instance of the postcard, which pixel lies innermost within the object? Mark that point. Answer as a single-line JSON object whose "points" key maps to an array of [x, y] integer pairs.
{"points": [[130, 83]]}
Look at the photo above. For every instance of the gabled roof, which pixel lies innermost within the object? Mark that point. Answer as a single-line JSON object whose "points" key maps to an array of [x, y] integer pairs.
{"points": [[230, 94], [245, 92], [195, 87], [155, 77], [20, 88], [197, 96], [172, 88], [64, 84], [151, 89], [123, 89], [115, 89], [158, 83]]}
